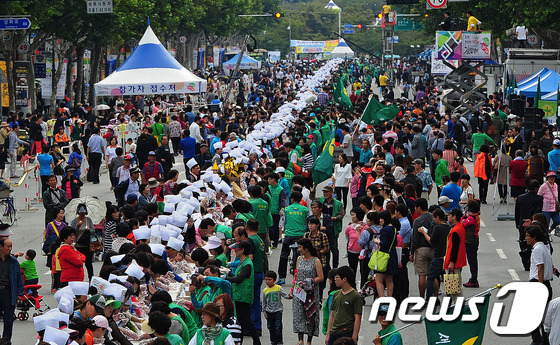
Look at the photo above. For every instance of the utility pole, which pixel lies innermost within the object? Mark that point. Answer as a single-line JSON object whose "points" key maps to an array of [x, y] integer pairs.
{"points": [[236, 69]]}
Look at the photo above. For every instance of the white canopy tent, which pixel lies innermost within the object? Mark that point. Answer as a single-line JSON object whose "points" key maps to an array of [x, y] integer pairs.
{"points": [[150, 69], [342, 50], [247, 62]]}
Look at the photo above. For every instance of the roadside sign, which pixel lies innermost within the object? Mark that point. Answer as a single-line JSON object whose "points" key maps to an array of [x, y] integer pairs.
{"points": [[407, 24], [533, 40], [24, 48], [436, 4], [346, 31], [348, 26], [182, 39], [99, 6], [14, 24]]}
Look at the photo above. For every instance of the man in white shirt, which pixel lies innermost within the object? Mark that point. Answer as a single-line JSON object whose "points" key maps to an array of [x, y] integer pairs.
{"points": [[541, 267], [195, 132], [521, 35]]}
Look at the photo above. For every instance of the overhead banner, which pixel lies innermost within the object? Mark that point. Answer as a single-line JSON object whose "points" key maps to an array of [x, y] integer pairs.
{"points": [[313, 47], [463, 45]]}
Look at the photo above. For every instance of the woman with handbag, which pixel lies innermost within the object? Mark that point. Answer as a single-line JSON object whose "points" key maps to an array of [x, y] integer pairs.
{"points": [[51, 234], [386, 255], [86, 240], [549, 192], [71, 260], [353, 233], [455, 255]]}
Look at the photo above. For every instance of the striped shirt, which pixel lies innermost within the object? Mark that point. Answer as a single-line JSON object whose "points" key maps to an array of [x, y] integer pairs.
{"points": [[307, 161], [234, 329]]}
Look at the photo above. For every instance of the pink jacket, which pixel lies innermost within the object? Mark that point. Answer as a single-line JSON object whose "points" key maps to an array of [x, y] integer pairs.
{"points": [[354, 185], [549, 199]]}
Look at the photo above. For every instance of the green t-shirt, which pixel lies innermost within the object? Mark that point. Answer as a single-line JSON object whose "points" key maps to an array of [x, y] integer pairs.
{"points": [[222, 258], [225, 230], [261, 212], [478, 139], [295, 219], [174, 339], [258, 255], [344, 308], [29, 269]]}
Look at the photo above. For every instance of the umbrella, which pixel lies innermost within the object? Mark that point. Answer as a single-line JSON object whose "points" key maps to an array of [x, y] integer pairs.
{"points": [[95, 207], [101, 107]]}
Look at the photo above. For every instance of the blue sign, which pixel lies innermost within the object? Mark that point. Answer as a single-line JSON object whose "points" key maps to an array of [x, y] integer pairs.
{"points": [[348, 26], [14, 24], [348, 31]]}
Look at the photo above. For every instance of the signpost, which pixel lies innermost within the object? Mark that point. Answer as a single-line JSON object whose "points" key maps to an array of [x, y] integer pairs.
{"points": [[407, 24], [14, 24], [24, 48], [99, 6], [348, 26], [348, 31]]}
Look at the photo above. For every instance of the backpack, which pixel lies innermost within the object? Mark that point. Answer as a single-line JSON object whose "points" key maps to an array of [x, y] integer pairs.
{"points": [[121, 189]]}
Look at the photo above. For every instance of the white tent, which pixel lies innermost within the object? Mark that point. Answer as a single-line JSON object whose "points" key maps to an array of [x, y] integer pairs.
{"points": [[342, 50], [247, 62], [150, 69]]}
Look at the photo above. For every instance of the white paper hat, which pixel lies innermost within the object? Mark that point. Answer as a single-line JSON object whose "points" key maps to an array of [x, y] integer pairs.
{"points": [[134, 270], [99, 283], [157, 248], [191, 163], [115, 277], [67, 290], [79, 288], [174, 228], [218, 145], [117, 291], [141, 234], [179, 220], [208, 177], [154, 221], [166, 234], [213, 243], [55, 336], [116, 258], [42, 321], [66, 305], [175, 243], [168, 207]]}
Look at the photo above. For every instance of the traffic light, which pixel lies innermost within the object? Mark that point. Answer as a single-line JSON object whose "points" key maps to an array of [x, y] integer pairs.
{"points": [[278, 15], [380, 15], [359, 26], [426, 15]]}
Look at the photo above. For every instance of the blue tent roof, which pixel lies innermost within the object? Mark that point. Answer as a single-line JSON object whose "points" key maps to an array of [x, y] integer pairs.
{"points": [[553, 96], [532, 78], [549, 83], [341, 43], [150, 53], [244, 60]]}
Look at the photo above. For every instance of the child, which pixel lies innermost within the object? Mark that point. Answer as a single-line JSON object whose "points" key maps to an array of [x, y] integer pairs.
{"points": [[24, 162], [272, 307], [327, 305], [29, 268]]}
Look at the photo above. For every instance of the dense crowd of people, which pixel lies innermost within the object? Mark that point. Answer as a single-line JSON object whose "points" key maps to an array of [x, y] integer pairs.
{"points": [[248, 187]]}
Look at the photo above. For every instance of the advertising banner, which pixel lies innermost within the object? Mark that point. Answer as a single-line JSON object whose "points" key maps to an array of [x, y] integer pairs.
{"points": [[459, 45], [21, 77], [476, 46]]}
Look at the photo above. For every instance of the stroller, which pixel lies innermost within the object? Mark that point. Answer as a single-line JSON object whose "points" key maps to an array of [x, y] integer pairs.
{"points": [[369, 289], [31, 299]]}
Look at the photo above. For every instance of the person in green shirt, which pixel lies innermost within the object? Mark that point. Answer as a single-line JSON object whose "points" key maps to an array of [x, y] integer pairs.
{"points": [[161, 324], [242, 281], [317, 137], [29, 268], [261, 213], [325, 132], [158, 129], [178, 326], [441, 169], [294, 229], [478, 139], [260, 264], [387, 327], [277, 197]]}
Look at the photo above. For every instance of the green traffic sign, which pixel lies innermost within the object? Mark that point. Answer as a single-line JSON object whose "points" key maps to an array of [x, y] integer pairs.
{"points": [[407, 24]]}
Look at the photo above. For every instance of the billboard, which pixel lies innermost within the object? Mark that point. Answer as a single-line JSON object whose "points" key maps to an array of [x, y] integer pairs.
{"points": [[463, 45]]}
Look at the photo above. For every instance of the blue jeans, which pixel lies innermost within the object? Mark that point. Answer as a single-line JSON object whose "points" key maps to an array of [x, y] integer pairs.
{"points": [[8, 309], [256, 306], [435, 271], [555, 218], [274, 325]]}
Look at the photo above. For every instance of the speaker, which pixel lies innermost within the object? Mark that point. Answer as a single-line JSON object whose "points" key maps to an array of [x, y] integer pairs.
{"points": [[517, 105], [533, 123]]}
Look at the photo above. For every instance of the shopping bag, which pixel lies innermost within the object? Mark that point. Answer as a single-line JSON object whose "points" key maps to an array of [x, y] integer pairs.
{"points": [[451, 283]]}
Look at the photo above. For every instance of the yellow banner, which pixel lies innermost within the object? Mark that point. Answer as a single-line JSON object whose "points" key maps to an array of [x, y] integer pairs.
{"points": [[5, 92], [330, 45]]}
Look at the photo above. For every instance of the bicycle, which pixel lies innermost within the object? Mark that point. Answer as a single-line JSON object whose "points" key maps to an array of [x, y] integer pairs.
{"points": [[7, 207]]}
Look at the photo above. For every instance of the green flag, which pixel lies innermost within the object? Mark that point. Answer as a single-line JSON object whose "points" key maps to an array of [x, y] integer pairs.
{"points": [[376, 113], [513, 83], [458, 332], [322, 168], [549, 108], [341, 95]]}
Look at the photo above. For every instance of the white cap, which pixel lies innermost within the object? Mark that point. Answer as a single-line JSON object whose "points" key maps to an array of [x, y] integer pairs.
{"points": [[66, 305], [280, 169], [213, 243], [55, 336], [218, 145], [556, 142], [116, 258], [191, 163], [141, 234], [79, 288], [67, 290], [134, 270], [175, 243], [157, 248]]}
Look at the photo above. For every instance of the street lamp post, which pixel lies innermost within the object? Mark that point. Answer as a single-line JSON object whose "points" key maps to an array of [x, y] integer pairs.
{"points": [[332, 6]]}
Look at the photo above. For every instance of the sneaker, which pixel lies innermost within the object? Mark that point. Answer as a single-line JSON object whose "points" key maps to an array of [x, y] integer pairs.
{"points": [[282, 281], [471, 284]]}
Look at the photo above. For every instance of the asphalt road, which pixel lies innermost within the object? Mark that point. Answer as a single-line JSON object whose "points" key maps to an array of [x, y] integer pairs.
{"points": [[499, 263]]}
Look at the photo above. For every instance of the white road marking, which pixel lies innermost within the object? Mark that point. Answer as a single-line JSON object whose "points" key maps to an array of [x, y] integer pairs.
{"points": [[513, 274], [482, 223], [490, 237], [501, 253]]}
